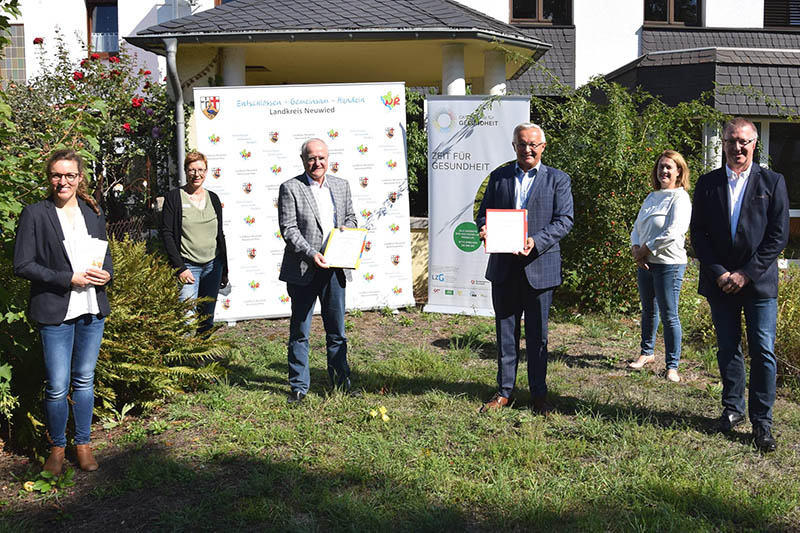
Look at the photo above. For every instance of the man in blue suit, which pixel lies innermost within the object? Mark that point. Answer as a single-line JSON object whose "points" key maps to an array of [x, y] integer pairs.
{"points": [[740, 224], [310, 206], [523, 282]]}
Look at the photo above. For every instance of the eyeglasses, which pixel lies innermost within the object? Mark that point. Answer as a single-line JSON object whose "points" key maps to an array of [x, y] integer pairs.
{"points": [[195, 171], [739, 142], [70, 176], [532, 146]]}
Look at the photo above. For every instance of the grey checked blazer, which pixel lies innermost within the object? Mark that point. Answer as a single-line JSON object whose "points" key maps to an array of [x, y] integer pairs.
{"points": [[549, 220], [300, 225]]}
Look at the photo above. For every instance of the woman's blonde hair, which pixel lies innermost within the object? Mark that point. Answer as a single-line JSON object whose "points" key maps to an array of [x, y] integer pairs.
{"points": [[683, 170], [82, 190]]}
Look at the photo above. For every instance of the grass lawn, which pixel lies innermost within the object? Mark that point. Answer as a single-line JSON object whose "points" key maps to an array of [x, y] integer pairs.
{"points": [[626, 450]]}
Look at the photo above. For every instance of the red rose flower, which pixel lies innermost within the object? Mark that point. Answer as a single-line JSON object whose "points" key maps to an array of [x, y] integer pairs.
{"points": [[127, 127], [137, 102], [147, 85], [84, 62], [95, 56], [115, 72], [146, 72], [38, 40], [77, 75], [113, 59]]}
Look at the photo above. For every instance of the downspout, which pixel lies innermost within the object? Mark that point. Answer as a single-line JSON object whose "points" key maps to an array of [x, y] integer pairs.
{"points": [[180, 121]]}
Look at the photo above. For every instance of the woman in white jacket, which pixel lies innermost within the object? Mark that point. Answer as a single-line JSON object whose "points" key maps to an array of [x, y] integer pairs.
{"points": [[657, 246]]}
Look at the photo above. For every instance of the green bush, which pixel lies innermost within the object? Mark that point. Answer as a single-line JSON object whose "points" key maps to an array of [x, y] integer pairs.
{"points": [[787, 342], [694, 312], [607, 138], [149, 349]]}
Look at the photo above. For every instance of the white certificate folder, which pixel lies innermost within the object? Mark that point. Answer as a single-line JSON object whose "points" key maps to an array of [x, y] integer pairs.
{"points": [[506, 230], [345, 247]]}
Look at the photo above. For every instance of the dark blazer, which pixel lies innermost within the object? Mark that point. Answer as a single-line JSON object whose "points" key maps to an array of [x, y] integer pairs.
{"points": [[172, 230], [761, 234], [301, 228], [40, 256], [550, 218]]}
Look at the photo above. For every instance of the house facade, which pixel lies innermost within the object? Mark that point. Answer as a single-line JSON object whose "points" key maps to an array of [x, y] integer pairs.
{"points": [[677, 49]]}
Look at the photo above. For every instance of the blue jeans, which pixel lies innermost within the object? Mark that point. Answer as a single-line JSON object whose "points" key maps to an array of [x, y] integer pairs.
{"points": [[659, 291], [326, 286], [70, 356], [206, 284], [761, 317]]}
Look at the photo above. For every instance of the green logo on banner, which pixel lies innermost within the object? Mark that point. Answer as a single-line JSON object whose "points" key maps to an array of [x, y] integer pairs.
{"points": [[448, 292], [466, 237]]}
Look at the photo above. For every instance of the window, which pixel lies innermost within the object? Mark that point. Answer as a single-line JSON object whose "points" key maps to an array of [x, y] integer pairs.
{"points": [[541, 11], [12, 64], [220, 2], [686, 12], [784, 156], [781, 13], [104, 27]]}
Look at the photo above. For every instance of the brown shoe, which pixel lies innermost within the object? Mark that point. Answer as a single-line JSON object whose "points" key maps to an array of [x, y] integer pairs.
{"points": [[497, 401], [85, 458], [540, 405], [55, 461]]}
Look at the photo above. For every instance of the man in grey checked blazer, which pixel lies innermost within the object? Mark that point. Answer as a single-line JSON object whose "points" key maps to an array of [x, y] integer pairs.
{"points": [[523, 282], [309, 207]]}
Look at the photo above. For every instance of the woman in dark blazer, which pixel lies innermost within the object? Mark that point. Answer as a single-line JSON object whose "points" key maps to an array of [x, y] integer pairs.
{"points": [[68, 298], [191, 227]]}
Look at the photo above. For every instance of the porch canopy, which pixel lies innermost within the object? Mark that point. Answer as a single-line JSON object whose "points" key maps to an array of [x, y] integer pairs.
{"points": [[422, 42]]}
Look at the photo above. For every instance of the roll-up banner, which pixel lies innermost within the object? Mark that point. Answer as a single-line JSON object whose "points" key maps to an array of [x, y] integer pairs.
{"points": [[252, 137], [468, 137]]}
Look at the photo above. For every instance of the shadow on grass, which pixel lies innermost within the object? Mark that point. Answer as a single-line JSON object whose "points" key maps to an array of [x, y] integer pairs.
{"points": [[147, 488]]}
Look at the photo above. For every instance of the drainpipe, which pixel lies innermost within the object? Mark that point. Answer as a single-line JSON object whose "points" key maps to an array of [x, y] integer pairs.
{"points": [[180, 122]]}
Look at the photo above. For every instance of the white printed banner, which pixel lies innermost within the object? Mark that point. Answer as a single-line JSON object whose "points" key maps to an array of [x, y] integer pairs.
{"points": [[468, 137], [252, 137]]}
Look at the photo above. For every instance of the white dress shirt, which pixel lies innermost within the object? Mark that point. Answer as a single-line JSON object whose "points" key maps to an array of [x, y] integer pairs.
{"points": [[736, 186], [327, 212]]}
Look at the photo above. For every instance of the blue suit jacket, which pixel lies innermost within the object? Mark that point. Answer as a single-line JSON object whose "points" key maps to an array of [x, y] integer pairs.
{"points": [[549, 220], [40, 256], [761, 234]]}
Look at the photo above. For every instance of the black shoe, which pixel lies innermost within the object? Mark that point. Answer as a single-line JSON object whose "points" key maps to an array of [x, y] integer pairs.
{"points": [[762, 437], [728, 421], [295, 397]]}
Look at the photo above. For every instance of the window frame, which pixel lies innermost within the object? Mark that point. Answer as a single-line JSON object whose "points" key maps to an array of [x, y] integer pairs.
{"points": [[538, 21], [90, 7], [771, 13], [671, 16]]}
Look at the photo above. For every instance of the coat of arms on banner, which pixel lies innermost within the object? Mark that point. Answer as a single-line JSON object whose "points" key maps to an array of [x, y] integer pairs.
{"points": [[226, 303], [367, 246], [363, 181], [395, 260], [216, 172], [393, 197], [247, 187], [210, 106], [273, 136], [390, 132], [275, 202], [251, 253], [334, 167]]}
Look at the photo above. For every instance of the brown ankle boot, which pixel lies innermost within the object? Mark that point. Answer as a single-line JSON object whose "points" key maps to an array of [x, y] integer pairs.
{"points": [[85, 458], [55, 460]]}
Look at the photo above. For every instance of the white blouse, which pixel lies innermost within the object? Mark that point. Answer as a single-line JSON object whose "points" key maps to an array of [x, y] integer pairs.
{"points": [[82, 300], [662, 224]]}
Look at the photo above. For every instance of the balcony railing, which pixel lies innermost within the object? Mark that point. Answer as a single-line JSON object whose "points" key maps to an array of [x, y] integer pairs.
{"points": [[105, 42]]}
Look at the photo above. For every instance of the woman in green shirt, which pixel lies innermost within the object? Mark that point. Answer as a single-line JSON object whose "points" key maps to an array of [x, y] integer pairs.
{"points": [[192, 231]]}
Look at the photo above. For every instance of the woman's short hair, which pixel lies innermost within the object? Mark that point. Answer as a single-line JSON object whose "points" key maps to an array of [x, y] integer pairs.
{"points": [[192, 157], [683, 170]]}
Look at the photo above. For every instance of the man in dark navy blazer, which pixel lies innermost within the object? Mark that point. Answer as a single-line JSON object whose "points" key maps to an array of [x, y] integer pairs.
{"points": [[740, 224], [523, 282]]}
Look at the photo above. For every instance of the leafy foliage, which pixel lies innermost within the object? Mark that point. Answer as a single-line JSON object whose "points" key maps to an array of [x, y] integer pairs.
{"points": [[8, 9], [132, 145], [149, 351], [417, 141], [787, 342], [607, 140]]}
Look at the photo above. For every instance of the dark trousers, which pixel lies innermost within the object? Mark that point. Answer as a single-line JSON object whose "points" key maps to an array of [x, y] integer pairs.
{"points": [[326, 286], [511, 300]]}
